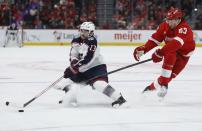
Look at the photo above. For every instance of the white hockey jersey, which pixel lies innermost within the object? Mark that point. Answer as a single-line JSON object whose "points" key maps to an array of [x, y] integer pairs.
{"points": [[87, 52]]}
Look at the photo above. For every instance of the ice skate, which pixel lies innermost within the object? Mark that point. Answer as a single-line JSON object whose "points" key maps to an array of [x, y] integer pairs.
{"points": [[121, 102], [70, 98], [162, 91], [147, 89], [65, 89]]}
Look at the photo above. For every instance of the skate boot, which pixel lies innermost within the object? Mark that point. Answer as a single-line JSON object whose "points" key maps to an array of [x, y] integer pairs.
{"points": [[70, 97], [148, 88], [65, 89], [162, 91], [62, 88], [120, 102]]}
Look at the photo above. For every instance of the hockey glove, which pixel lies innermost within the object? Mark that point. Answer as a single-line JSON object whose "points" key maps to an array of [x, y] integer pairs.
{"points": [[138, 52], [157, 56], [73, 67], [67, 73]]}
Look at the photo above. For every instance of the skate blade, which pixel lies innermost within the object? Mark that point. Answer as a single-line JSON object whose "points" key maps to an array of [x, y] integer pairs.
{"points": [[123, 106]]}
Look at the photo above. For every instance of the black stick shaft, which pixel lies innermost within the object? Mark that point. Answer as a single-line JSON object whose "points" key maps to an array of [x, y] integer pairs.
{"points": [[141, 62], [27, 103], [122, 68]]}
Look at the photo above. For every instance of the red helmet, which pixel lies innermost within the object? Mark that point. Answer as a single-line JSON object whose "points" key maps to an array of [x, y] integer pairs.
{"points": [[174, 13]]}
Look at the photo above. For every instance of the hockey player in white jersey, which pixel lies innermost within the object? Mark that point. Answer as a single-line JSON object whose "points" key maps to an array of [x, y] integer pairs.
{"points": [[12, 35], [86, 65]]}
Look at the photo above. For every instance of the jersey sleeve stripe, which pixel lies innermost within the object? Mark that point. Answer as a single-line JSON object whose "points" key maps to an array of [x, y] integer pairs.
{"points": [[155, 41], [179, 40]]}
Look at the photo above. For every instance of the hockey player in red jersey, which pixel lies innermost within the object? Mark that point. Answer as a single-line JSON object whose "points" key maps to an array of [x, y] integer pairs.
{"points": [[179, 46]]}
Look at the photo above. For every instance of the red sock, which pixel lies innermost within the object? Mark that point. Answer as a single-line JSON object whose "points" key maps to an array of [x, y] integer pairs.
{"points": [[163, 80]]}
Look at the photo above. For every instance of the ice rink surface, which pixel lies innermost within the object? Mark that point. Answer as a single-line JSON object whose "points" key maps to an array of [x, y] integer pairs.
{"points": [[26, 71]]}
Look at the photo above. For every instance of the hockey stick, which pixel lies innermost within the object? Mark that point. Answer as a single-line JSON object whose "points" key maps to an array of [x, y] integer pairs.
{"points": [[122, 68], [38, 95]]}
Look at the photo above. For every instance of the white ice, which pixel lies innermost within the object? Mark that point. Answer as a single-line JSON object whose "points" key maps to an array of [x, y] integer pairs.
{"points": [[25, 72]]}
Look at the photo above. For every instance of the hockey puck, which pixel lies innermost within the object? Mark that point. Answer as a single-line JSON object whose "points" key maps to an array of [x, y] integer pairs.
{"points": [[7, 103], [20, 110], [60, 102]]}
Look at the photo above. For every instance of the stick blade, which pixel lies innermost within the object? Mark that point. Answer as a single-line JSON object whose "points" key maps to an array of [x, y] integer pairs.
{"points": [[12, 104]]}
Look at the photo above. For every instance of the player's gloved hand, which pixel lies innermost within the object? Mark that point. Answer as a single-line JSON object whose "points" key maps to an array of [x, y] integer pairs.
{"points": [[138, 52], [67, 73], [73, 67], [157, 56]]}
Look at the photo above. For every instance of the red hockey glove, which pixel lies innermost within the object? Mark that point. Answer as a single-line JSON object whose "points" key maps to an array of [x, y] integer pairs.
{"points": [[73, 67], [157, 56], [138, 52]]}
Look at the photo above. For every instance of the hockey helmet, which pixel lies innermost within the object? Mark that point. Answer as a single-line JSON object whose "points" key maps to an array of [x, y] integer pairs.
{"points": [[174, 13], [89, 27]]}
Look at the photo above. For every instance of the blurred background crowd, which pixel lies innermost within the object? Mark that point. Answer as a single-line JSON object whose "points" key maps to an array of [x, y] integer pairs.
{"points": [[106, 14]]}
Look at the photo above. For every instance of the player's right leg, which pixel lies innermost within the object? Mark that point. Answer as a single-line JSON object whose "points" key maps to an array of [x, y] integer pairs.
{"points": [[18, 41], [162, 82], [103, 87], [70, 97], [70, 88], [7, 39], [98, 79]]}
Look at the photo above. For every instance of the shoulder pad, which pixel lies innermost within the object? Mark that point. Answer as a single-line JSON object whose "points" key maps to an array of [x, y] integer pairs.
{"points": [[75, 41], [76, 36]]}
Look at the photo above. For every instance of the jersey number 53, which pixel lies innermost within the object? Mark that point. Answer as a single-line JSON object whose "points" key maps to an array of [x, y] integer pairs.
{"points": [[183, 30]]}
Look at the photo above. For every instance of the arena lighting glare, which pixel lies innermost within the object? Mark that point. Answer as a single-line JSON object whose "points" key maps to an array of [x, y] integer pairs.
{"points": [[195, 9]]}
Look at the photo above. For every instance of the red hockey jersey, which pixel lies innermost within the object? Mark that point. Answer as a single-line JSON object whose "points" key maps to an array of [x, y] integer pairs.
{"points": [[179, 39]]}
